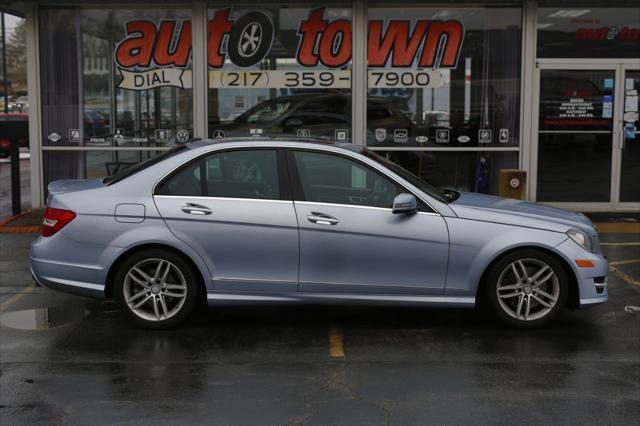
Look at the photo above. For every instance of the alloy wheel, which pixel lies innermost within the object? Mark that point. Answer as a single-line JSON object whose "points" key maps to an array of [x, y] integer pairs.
{"points": [[155, 289], [528, 289]]}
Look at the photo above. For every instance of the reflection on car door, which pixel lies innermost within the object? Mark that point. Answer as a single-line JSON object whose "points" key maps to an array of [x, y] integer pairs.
{"points": [[350, 241], [234, 209]]}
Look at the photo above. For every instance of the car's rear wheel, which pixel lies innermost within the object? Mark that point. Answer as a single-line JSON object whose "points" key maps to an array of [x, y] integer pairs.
{"points": [[527, 288], [156, 288]]}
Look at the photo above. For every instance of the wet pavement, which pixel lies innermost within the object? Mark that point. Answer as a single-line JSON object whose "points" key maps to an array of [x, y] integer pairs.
{"points": [[5, 185], [66, 359]]}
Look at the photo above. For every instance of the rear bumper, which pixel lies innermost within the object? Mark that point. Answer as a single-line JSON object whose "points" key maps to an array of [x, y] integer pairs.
{"points": [[61, 264]]}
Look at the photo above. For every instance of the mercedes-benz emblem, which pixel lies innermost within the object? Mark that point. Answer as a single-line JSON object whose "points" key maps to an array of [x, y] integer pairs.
{"points": [[250, 39]]}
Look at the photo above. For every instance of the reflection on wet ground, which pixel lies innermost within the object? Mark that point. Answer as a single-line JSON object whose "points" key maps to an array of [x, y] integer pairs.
{"points": [[42, 318], [272, 365]]}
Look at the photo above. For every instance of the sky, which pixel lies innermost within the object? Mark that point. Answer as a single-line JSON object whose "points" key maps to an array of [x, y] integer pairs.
{"points": [[10, 22]]}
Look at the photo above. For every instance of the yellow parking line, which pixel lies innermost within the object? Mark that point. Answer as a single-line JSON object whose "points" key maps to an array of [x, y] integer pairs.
{"points": [[336, 344], [618, 228], [624, 277], [620, 244], [623, 262], [13, 299]]}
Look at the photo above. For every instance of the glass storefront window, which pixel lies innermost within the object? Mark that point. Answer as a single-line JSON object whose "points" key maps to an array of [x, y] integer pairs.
{"points": [[462, 171], [588, 32], [443, 77], [90, 164], [115, 77], [279, 68]]}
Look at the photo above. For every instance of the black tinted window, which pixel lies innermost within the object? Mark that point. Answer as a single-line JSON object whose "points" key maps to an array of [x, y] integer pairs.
{"points": [[327, 178], [186, 182], [243, 174]]}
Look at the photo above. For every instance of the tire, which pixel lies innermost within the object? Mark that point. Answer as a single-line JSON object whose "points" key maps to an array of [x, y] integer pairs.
{"points": [[519, 297], [157, 289], [250, 22]]}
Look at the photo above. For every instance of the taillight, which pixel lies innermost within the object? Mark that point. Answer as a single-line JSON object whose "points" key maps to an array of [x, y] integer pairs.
{"points": [[54, 219]]}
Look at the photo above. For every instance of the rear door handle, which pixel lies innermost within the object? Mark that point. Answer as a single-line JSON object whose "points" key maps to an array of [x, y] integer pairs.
{"points": [[322, 219], [196, 209]]}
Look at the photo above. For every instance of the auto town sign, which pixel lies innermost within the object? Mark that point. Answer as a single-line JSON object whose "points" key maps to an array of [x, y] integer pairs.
{"points": [[154, 54]]}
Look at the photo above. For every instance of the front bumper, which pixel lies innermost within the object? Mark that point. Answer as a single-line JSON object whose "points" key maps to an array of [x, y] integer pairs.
{"points": [[592, 281]]}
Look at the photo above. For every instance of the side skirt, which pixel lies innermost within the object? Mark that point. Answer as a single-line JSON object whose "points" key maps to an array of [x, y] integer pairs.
{"points": [[217, 298]]}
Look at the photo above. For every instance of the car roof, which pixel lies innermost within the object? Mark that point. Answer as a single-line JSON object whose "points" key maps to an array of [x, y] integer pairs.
{"points": [[289, 139]]}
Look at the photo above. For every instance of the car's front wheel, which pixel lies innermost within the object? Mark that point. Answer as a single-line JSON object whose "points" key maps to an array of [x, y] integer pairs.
{"points": [[527, 288], [156, 288]]}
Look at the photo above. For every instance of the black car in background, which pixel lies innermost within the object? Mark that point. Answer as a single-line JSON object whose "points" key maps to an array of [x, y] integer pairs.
{"points": [[13, 127], [318, 115]]}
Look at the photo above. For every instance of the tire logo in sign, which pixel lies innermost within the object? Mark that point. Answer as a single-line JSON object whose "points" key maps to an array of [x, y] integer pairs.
{"points": [[252, 36]]}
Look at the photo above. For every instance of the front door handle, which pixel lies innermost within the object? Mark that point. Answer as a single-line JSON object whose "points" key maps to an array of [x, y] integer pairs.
{"points": [[196, 209], [322, 219]]}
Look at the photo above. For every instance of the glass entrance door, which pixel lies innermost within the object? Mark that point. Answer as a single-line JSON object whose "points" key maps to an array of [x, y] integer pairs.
{"points": [[576, 134], [630, 140]]}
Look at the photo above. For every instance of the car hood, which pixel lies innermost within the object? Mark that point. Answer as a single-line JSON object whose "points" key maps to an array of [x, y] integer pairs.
{"points": [[517, 212]]}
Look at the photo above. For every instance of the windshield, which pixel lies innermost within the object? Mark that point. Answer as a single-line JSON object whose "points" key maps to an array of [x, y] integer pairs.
{"points": [[427, 188], [130, 171]]}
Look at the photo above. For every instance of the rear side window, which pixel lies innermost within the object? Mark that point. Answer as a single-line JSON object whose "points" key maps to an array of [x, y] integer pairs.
{"points": [[186, 182], [249, 174], [243, 174]]}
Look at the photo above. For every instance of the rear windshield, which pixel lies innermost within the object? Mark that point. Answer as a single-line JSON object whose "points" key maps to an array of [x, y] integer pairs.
{"points": [[130, 171]]}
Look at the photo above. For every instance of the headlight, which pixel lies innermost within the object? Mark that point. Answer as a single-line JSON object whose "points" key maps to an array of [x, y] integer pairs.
{"points": [[581, 238]]}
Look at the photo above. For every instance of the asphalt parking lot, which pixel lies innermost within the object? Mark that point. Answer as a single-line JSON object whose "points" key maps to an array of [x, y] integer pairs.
{"points": [[71, 360]]}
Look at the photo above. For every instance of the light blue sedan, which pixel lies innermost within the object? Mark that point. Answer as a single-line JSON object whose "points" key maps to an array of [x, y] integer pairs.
{"points": [[275, 221]]}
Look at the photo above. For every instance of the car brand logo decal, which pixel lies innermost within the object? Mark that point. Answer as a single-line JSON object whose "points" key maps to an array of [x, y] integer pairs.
{"points": [[217, 134], [421, 139], [341, 135], [303, 133], [162, 135], [400, 135], [503, 137], [118, 135], [74, 135], [484, 136], [54, 137], [182, 135], [442, 136], [381, 134], [463, 139]]}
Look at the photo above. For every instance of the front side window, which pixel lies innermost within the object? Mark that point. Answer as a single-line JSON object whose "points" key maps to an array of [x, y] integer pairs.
{"points": [[249, 174], [327, 178]]}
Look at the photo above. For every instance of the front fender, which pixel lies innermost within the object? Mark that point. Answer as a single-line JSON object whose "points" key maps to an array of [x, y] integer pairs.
{"points": [[474, 245]]}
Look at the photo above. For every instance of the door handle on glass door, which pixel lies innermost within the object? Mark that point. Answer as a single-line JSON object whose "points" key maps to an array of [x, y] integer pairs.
{"points": [[196, 209], [322, 219]]}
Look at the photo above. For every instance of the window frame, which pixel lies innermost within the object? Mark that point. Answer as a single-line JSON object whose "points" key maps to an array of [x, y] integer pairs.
{"points": [[284, 182], [298, 192]]}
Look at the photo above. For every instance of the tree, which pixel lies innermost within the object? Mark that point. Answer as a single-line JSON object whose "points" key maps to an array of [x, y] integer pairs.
{"points": [[17, 57]]}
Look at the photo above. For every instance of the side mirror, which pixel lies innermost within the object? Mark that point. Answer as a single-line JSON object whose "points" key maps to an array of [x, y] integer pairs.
{"points": [[404, 203]]}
